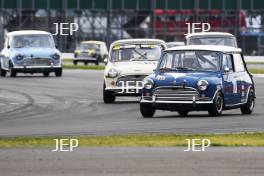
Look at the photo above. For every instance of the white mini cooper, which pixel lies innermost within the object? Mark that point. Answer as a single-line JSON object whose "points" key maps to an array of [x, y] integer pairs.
{"points": [[129, 62]]}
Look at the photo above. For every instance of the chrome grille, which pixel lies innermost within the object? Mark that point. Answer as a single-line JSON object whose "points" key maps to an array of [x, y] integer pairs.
{"points": [[123, 80], [175, 94], [37, 61]]}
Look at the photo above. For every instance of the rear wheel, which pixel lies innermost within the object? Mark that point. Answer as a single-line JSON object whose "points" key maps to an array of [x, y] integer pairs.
{"points": [[108, 96], [183, 113], [217, 107], [58, 72], [46, 74], [75, 62], [147, 110], [85, 63], [249, 106]]}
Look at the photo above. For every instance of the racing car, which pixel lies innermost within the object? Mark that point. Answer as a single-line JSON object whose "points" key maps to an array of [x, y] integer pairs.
{"points": [[90, 52], [129, 62], [199, 77], [212, 38], [30, 51]]}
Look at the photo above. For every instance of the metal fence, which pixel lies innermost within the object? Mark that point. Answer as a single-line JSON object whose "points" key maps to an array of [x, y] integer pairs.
{"points": [[109, 20]]}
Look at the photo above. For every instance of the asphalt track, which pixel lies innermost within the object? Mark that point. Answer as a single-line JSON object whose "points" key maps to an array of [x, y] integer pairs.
{"points": [[221, 161], [72, 105]]}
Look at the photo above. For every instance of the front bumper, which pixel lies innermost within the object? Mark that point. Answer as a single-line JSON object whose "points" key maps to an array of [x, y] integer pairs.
{"points": [[177, 105], [83, 59], [36, 69], [125, 91]]}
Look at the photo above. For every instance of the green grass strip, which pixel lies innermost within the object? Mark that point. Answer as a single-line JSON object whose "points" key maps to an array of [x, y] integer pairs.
{"points": [[84, 67], [139, 140], [256, 71]]}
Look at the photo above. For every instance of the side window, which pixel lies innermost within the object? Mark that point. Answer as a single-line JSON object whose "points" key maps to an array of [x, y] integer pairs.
{"points": [[228, 62], [238, 62]]}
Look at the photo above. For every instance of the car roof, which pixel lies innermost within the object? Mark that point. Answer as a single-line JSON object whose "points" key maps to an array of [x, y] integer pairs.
{"points": [[225, 49], [28, 32], [138, 41], [198, 34], [93, 41]]}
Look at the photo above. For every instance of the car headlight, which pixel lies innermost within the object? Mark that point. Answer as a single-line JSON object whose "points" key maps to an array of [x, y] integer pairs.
{"points": [[56, 56], [19, 57], [148, 83], [202, 84], [112, 73]]}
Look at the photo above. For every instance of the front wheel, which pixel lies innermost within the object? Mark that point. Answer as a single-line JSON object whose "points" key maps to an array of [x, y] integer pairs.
{"points": [[249, 106], [58, 72], [2, 72], [108, 96], [217, 107], [183, 113], [147, 110], [46, 74]]}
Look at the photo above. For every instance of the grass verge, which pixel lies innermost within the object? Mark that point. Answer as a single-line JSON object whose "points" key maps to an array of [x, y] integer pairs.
{"points": [[140, 140], [256, 71], [84, 67]]}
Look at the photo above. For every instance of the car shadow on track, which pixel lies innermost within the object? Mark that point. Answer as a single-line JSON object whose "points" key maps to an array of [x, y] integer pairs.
{"points": [[191, 116]]}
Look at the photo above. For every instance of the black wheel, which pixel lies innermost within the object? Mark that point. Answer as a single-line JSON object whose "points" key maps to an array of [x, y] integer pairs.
{"points": [[96, 62], [147, 110], [85, 63], [249, 106], [108, 96], [217, 107], [183, 113], [58, 72], [46, 74], [12, 71], [75, 62], [2, 71]]}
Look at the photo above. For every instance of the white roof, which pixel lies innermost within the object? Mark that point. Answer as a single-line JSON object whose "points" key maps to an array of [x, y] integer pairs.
{"points": [[138, 41], [198, 34], [225, 49], [27, 32]]}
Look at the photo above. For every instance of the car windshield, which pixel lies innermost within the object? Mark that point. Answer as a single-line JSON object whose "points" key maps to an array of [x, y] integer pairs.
{"points": [[225, 41], [89, 46], [136, 52], [32, 41], [190, 61]]}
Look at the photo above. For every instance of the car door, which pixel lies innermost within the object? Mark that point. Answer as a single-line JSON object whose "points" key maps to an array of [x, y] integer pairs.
{"points": [[230, 79], [241, 75]]}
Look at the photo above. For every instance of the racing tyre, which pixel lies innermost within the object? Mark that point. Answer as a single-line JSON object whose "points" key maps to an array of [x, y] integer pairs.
{"points": [[13, 72], [75, 62], [217, 107], [85, 63], [46, 74], [147, 110], [2, 72], [109, 96], [249, 106], [58, 72], [183, 113]]}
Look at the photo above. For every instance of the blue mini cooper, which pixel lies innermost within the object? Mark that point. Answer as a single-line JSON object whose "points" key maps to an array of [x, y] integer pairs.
{"points": [[201, 77]]}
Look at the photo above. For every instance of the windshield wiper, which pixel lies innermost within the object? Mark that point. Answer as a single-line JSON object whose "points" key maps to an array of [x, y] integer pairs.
{"points": [[167, 69], [184, 68]]}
